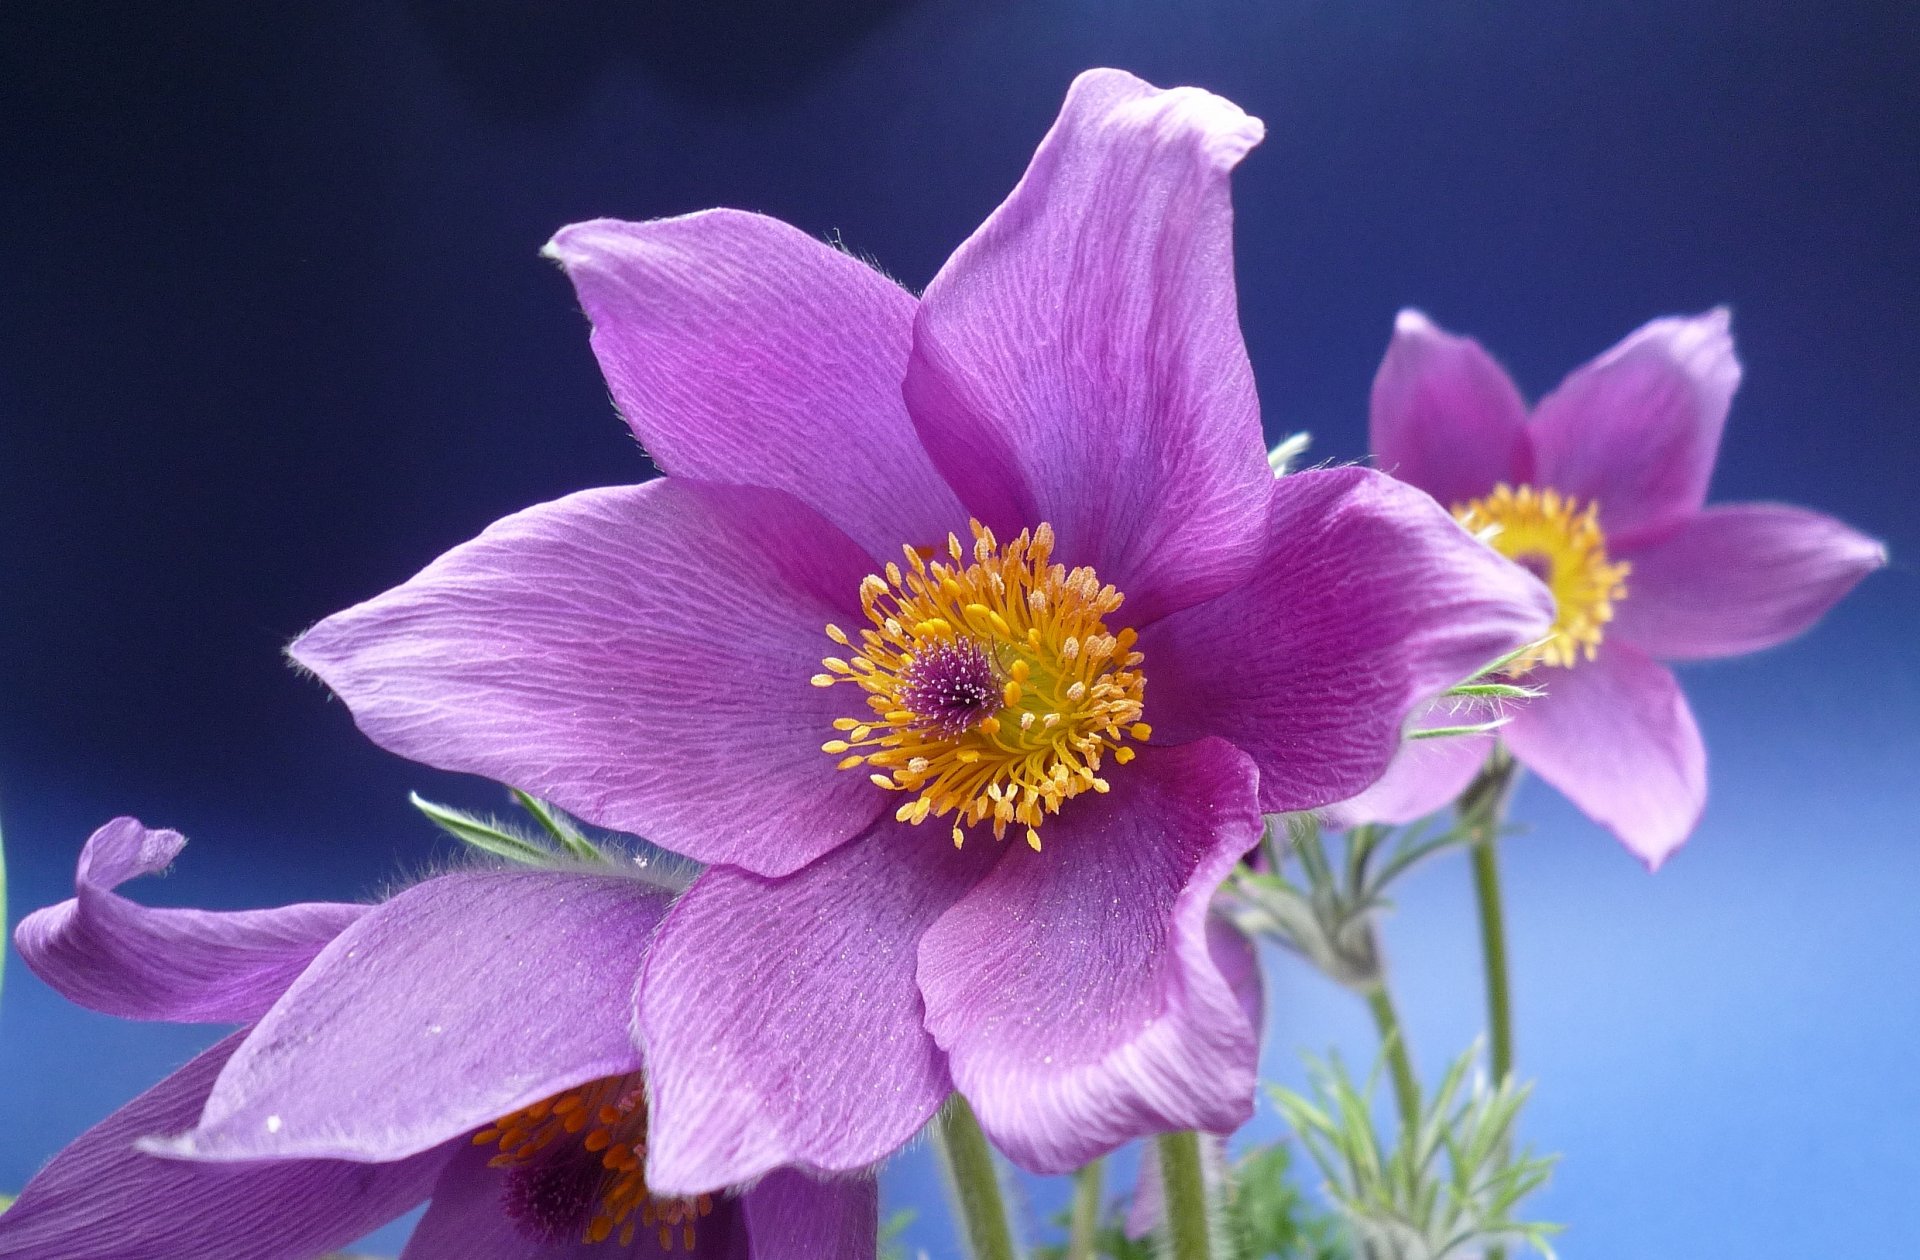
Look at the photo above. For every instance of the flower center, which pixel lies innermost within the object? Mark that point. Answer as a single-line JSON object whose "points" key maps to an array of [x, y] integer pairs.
{"points": [[995, 689], [1560, 543], [574, 1168]]}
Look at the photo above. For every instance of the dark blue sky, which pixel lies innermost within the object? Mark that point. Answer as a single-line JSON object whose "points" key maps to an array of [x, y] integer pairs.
{"points": [[274, 331]]}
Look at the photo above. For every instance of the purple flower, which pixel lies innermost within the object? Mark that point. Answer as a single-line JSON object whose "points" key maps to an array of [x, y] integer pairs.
{"points": [[1027, 523], [1602, 493], [466, 1041]]}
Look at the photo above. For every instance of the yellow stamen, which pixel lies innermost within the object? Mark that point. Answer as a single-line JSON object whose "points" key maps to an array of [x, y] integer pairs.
{"points": [[994, 686], [1561, 543]]}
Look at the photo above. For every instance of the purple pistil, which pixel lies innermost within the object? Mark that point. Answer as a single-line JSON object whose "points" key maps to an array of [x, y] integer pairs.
{"points": [[950, 686]]}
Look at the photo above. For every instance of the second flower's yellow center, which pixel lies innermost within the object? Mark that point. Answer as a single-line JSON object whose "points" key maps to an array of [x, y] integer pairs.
{"points": [[1560, 543], [995, 690], [575, 1173]]}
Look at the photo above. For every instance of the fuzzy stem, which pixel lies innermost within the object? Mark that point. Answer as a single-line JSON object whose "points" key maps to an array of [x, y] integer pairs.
{"points": [[1184, 1185], [1393, 1042], [1085, 1221], [974, 1183], [1482, 809]]}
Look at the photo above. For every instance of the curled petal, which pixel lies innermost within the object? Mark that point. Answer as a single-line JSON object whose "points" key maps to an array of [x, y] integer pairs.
{"points": [[1637, 430], [1079, 360], [1369, 602], [791, 1216], [780, 1016], [1739, 578], [1615, 735], [1445, 417], [187, 966], [638, 655], [1075, 990], [743, 351], [458, 1001], [101, 1199]]}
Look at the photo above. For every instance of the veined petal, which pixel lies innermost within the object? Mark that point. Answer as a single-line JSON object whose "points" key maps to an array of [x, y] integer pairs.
{"points": [[638, 655], [791, 1216], [100, 1199], [781, 1019], [1079, 360], [1445, 417], [1369, 602], [187, 966], [743, 351], [458, 1001], [1638, 429], [1074, 990], [1425, 775], [1616, 736], [1739, 578]]}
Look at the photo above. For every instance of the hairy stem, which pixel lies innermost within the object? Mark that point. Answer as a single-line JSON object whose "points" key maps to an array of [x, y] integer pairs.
{"points": [[1393, 1042], [1085, 1221], [974, 1184], [1185, 1187], [1483, 808]]}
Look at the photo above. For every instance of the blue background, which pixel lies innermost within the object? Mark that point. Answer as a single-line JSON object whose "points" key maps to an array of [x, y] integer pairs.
{"points": [[273, 333]]}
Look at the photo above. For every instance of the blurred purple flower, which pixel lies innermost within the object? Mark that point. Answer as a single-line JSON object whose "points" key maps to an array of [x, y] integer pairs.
{"points": [[1601, 491], [1066, 416], [467, 1041]]}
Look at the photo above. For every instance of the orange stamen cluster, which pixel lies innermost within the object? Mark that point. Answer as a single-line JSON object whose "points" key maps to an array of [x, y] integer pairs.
{"points": [[994, 687], [1561, 543], [596, 1134]]}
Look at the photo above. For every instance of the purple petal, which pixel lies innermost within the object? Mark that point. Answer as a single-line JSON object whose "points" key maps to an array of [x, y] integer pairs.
{"points": [[468, 1220], [1079, 359], [1369, 601], [1637, 429], [744, 352], [1238, 962], [791, 1216], [460, 1000], [187, 966], [1616, 736], [1445, 416], [781, 1019], [100, 1199], [1739, 578], [1426, 774], [638, 655], [1074, 990]]}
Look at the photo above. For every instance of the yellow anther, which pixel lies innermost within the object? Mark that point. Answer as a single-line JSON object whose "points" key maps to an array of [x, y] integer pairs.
{"points": [[1562, 544]]}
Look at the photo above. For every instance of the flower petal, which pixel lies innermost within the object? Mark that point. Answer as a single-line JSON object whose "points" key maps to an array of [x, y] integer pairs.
{"points": [[1369, 601], [1637, 430], [1739, 578], [1074, 989], [1616, 736], [1426, 774], [187, 966], [1445, 416], [791, 1216], [460, 1000], [781, 1019], [745, 352], [1079, 360], [100, 1199], [638, 655]]}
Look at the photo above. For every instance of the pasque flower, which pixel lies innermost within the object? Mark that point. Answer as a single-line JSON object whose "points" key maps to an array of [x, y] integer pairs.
{"points": [[1601, 491], [966, 639], [466, 1041]]}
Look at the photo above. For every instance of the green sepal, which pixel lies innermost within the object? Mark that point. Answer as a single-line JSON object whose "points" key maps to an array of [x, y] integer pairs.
{"points": [[484, 834]]}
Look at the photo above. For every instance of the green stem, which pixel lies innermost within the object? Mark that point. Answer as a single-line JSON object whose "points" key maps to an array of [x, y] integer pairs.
{"points": [[974, 1183], [1085, 1221], [1185, 1203], [1482, 808], [1393, 1042]]}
